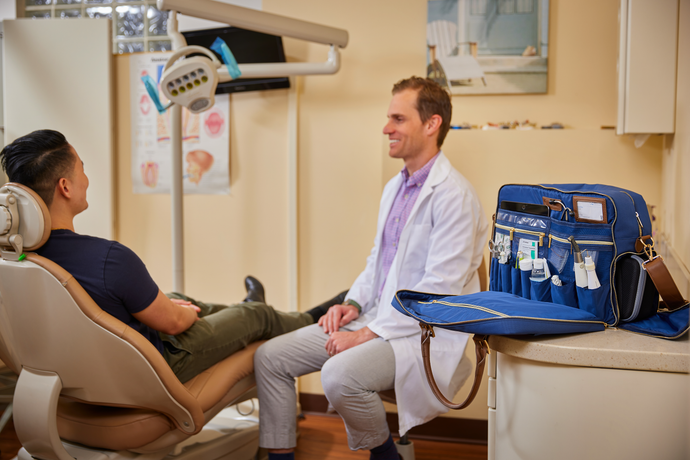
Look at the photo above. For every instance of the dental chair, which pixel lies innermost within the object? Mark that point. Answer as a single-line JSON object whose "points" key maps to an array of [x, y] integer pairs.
{"points": [[89, 386]]}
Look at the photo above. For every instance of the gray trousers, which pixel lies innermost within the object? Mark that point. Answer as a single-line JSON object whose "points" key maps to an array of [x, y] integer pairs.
{"points": [[350, 379]]}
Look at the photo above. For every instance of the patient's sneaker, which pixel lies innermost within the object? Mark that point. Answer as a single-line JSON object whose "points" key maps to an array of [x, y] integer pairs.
{"points": [[255, 290], [319, 311]]}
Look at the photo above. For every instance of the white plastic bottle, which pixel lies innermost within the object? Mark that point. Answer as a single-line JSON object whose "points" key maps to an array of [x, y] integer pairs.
{"points": [[592, 279]]}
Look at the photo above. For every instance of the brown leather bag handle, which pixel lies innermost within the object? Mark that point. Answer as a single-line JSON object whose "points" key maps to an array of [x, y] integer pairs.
{"points": [[661, 277], [482, 349]]}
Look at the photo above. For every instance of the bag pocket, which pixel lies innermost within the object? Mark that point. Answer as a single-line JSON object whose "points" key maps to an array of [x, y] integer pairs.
{"points": [[595, 301], [564, 295], [515, 281], [494, 278], [637, 296], [525, 283], [504, 274], [540, 290], [517, 234]]}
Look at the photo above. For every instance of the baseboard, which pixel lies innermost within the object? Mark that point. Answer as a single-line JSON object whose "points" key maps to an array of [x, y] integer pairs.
{"points": [[468, 431]]}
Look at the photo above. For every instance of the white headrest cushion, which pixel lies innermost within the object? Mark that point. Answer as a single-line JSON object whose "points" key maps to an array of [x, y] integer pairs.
{"points": [[34, 217]]}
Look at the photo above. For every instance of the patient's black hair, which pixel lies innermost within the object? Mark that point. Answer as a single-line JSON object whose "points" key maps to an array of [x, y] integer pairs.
{"points": [[39, 160]]}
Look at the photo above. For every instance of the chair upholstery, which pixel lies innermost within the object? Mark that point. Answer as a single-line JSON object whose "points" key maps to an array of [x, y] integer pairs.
{"points": [[117, 391]]}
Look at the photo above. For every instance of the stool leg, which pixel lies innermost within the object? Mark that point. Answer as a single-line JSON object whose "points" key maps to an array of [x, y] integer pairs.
{"points": [[405, 448], [5, 417]]}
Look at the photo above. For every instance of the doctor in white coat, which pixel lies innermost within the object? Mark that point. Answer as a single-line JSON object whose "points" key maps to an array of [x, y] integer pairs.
{"points": [[364, 345]]}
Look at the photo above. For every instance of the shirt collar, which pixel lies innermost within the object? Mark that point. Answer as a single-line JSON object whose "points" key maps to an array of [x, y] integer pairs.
{"points": [[418, 177]]}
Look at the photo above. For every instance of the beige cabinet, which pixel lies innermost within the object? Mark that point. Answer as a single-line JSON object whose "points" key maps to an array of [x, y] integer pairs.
{"points": [[647, 60]]}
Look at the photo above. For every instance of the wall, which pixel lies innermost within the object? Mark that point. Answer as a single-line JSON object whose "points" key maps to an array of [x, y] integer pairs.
{"points": [[226, 237], [676, 166], [342, 160]]}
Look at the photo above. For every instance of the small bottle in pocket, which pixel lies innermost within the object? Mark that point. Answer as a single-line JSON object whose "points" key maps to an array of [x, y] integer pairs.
{"points": [[538, 272], [592, 280]]}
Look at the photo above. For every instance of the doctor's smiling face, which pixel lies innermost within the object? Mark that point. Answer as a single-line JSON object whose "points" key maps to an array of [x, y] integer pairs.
{"points": [[404, 127], [410, 139]]}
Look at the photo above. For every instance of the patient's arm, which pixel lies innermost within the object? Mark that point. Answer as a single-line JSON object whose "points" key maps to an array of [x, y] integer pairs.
{"points": [[167, 316]]}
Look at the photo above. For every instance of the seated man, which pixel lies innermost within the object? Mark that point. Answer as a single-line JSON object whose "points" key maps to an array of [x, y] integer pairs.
{"points": [[430, 237], [192, 336]]}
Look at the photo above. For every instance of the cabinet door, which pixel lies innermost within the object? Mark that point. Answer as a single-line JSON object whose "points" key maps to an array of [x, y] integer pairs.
{"points": [[647, 66]]}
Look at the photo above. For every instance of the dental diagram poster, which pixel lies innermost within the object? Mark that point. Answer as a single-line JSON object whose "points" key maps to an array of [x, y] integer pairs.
{"points": [[205, 138]]}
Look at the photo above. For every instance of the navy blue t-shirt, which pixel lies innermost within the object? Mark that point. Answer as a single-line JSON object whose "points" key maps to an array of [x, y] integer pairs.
{"points": [[114, 277]]}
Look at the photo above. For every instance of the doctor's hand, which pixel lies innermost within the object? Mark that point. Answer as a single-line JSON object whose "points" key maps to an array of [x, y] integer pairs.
{"points": [[337, 317], [341, 341]]}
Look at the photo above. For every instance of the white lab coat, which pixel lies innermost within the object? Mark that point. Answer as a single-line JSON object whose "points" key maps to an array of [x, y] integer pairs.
{"points": [[439, 251]]}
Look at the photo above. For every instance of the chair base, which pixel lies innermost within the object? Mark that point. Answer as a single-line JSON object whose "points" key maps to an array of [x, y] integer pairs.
{"points": [[406, 451], [228, 436]]}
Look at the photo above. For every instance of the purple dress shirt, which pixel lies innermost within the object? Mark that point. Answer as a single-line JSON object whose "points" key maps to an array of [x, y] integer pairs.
{"points": [[399, 213]]}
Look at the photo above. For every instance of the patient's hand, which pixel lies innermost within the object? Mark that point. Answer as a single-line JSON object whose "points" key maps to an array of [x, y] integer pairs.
{"points": [[337, 317], [341, 341], [190, 305]]}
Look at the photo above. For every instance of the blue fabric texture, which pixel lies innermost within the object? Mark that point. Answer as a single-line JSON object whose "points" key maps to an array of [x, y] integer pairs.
{"points": [[495, 313], [115, 278], [498, 312], [668, 325]]}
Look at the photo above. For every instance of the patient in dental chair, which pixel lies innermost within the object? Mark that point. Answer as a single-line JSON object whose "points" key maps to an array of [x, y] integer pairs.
{"points": [[191, 335]]}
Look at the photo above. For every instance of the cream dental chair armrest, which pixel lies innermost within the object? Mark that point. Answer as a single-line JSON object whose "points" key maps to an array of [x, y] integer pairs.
{"points": [[84, 376]]}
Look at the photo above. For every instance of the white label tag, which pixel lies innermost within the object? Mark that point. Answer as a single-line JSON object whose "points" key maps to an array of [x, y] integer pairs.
{"points": [[586, 210], [529, 248]]}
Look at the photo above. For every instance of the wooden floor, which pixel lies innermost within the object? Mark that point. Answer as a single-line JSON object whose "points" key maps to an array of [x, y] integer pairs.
{"points": [[322, 437]]}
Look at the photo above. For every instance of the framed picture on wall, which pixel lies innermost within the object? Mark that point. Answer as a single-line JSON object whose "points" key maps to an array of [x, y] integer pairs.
{"points": [[488, 46]]}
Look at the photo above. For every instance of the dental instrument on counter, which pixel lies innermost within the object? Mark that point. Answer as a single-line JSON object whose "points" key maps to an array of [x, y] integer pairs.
{"points": [[556, 280], [592, 279], [579, 265]]}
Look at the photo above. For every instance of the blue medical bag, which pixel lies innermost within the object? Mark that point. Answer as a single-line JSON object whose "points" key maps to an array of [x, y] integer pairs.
{"points": [[547, 222]]}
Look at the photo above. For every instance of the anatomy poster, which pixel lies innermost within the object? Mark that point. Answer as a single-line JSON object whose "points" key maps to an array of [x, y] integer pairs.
{"points": [[205, 137]]}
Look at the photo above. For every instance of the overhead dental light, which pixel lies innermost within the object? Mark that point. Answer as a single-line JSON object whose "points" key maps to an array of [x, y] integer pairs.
{"points": [[191, 82], [199, 76]]}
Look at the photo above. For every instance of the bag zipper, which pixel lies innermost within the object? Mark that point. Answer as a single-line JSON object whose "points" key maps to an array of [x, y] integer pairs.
{"points": [[512, 230], [485, 310], [466, 305], [579, 242]]}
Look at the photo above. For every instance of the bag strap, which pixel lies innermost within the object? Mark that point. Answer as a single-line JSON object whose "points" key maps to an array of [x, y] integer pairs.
{"points": [[481, 348], [661, 277]]}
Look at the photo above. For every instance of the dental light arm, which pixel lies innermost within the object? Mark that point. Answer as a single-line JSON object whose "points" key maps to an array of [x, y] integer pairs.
{"points": [[192, 82], [199, 96], [258, 21]]}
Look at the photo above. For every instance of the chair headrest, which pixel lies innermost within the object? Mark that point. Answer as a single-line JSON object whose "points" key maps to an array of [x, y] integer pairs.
{"points": [[24, 220]]}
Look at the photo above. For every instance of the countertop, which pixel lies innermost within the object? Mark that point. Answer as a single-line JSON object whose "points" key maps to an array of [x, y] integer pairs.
{"points": [[612, 348]]}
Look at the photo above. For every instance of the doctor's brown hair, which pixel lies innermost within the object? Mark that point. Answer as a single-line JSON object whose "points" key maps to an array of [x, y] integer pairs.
{"points": [[432, 99]]}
